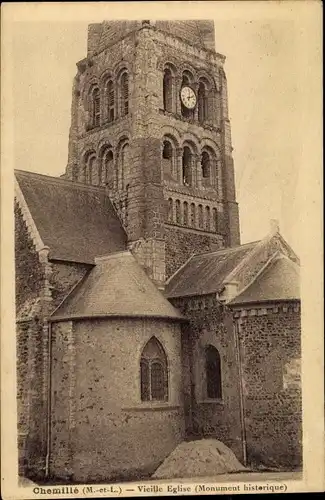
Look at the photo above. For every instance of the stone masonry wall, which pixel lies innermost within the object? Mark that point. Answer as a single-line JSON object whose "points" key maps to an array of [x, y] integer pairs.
{"points": [[100, 428], [210, 323], [30, 409], [273, 413], [181, 244], [30, 345], [146, 124], [29, 271], [40, 287], [64, 276]]}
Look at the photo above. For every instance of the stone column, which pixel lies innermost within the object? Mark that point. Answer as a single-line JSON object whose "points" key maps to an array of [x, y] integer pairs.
{"points": [[195, 86], [178, 83], [195, 166], [199, 171], [179, 165], [181, 213]]}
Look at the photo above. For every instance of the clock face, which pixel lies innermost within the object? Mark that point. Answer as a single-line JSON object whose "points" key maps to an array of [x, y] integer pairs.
{"points": [[188, 97]]}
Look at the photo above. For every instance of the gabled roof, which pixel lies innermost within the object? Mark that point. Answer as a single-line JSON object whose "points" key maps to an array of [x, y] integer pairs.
{"points": [[278, 281], [205, 273], [76, 221], [116, 286]]}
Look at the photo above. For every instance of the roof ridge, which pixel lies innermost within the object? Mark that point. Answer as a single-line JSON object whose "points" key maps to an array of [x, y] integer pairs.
{"points": [[78, 222], [28, 218], [131, 279], [119, 253], [60, 180], [226, 249], [172, 276], [267, 267], [268, 263], [259, 244]]}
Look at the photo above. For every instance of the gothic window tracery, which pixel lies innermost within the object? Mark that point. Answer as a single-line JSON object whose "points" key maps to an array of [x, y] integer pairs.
{"points": [[153, 372]]}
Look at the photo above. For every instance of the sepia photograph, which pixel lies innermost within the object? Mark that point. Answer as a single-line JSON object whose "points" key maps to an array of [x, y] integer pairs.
{"points": [[158, 242]]}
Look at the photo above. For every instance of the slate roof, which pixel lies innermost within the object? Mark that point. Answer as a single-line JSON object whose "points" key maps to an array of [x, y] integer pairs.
{"points": [[279, 281], [204, 273], [77, 222], [116, 286]]}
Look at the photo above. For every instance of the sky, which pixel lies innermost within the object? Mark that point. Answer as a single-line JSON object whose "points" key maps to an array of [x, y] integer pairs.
{"points": [[270, 90]]}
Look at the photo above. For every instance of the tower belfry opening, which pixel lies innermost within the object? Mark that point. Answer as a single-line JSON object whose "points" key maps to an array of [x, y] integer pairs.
{"points": [[182, 107]]}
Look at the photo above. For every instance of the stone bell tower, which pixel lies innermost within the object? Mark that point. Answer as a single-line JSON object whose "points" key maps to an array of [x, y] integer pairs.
{"points": [[166, 163]]}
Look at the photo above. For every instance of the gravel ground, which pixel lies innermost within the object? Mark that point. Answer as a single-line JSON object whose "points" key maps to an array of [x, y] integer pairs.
{"points": [[202, 458]]}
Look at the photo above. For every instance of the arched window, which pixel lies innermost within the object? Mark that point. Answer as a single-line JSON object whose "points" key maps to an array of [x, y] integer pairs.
{"points": [[213, 373], [107, 168], [185, 213], [187, 78], [206, 168], [215, 219], [178, 212], [170, 211], [124, 94], [168, 90], [207, 218], [168, 159], [89, 168], [200, 216], [187, 166], [153, 372], [95, 107], [202, 102], [192, 215], [110, 101]]}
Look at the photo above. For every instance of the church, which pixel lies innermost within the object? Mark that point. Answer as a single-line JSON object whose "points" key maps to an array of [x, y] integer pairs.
{"points": [[142, 321]]}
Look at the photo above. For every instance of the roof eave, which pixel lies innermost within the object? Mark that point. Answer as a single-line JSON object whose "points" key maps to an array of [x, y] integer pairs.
{"points": [[55, 319], [257, 303], [196, 294]]}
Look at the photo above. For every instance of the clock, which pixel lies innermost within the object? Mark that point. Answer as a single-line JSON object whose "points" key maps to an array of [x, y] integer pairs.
{"points": [[188, 97]]}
